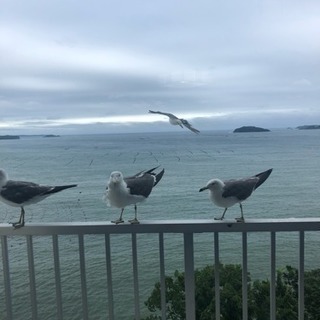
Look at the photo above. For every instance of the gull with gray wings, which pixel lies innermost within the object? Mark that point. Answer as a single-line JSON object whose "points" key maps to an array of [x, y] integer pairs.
{"points": [[227, 193], [123, 191], [177, 121], [23, 193]]}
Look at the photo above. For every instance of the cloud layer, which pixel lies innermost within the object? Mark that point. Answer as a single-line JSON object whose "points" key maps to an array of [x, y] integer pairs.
{"points": [[65, 63]]}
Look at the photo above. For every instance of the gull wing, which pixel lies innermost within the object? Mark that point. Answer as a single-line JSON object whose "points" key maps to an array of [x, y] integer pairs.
{"points": [[20, 191], [241, 188], [143, 182], [141, 186], [189, 126], [170, 115]]}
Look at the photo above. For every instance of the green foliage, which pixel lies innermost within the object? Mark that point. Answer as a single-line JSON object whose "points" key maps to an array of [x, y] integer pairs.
{"points": [[312, 294], [231, 295]]}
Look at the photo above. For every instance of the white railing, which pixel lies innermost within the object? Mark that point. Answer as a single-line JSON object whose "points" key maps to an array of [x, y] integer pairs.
{"points": [[186, 227]]}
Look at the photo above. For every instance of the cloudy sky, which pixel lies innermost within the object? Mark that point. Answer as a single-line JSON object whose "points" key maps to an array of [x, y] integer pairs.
{"points": [[70, 66]]}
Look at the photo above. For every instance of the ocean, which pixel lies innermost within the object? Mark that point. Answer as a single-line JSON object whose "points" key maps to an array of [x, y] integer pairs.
{"points": [[189, 160]]}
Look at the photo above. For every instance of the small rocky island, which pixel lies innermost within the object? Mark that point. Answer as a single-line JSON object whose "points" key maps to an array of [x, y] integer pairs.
{"points": [[250, 129], [51, 136], [309, 127]]}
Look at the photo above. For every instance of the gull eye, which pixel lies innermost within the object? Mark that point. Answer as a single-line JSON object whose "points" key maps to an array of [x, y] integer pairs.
{"points": [[213, 183]]}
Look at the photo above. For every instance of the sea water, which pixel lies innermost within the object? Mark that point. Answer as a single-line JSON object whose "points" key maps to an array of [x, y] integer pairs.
{"points": [[190, 160]]}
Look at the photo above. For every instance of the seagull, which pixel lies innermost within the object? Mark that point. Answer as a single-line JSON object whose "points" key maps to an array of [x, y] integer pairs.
{"points": [[121, 192], [22, 193], [227, 193], [177, 121]]}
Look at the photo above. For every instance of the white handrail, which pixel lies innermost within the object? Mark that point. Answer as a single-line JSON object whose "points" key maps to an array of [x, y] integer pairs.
{"points": [[165, 226], [186, 227]]}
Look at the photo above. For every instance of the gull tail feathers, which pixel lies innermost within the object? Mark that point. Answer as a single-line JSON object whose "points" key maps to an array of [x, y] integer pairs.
{"points": [[146, 171], [263, 176], [60, 188], [158, 177]]}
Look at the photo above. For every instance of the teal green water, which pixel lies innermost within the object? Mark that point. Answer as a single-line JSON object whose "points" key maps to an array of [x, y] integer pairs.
{"points": [[190, 161]]}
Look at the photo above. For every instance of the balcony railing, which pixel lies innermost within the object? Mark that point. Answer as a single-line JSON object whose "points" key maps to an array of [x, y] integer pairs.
{"points": [[188, 228]]}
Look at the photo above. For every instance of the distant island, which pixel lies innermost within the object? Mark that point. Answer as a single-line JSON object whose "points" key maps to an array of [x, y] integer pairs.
{"points": [[9, 137], [51, 136], [309, 127], [250, 129]]}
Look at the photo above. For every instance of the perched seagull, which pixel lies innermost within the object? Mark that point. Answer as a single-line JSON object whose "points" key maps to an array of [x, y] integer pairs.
{"points": [[227, 193], [22, 193], [177, 121], [121, 192]]}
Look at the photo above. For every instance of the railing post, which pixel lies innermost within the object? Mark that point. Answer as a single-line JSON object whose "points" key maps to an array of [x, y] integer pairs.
{"points": [[57, 274], [162, 277], [32, 278], [109, 276], [135, 276], [273, 277], [189, 276], [301, 276], [244, 276], [83, 278], [217, 275], [6, 275]]}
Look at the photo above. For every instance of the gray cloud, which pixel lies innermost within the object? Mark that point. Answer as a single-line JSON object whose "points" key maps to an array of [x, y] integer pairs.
{"points": [[104, 59]]}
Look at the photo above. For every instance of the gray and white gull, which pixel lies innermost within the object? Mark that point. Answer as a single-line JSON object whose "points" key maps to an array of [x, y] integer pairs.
{"points": [[23, 193], [177, 121], [124, 191], [227, 193]]}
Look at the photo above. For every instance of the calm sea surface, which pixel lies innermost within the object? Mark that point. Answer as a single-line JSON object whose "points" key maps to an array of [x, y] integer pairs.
{"points": [[190, 160]]}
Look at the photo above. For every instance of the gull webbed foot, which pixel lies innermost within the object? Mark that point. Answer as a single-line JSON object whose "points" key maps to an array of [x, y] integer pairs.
{"points": [[118, 221], [18, 224], [134, 221]]}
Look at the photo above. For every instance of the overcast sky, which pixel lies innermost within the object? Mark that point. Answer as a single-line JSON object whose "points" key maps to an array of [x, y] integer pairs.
{"points": [[99, 66]]}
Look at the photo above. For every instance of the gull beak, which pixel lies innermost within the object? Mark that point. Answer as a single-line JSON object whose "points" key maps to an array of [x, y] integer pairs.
{"points": [[202, 189]]}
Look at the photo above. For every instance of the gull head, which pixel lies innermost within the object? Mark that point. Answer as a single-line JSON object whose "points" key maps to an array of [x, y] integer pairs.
{"points": [[213, 185], [3, 177], [116, 177]]}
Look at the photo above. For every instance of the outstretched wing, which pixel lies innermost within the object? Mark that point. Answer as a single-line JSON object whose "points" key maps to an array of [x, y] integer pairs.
{"points": [[189, 126], [170, 115]]}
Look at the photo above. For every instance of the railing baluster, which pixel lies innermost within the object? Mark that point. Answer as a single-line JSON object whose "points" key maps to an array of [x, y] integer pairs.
{"points": [[57, 275], [6, 275], [273, 277], [83, 278], [301, 275], [217, 275], [189, 276], [244, 276], [32, 278], [135, 276], [162, 277], [109, 276]]}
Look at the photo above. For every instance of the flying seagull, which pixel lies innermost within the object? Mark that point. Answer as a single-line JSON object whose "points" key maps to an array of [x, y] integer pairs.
{"points": [[121, 192], [177, 121], [22, 193], [227, 193]]}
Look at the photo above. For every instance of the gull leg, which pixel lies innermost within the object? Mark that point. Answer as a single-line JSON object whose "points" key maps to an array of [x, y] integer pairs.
{"points": [[135, 220], [20, 223], [241, 219], [120, 220], [222, 217]]}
